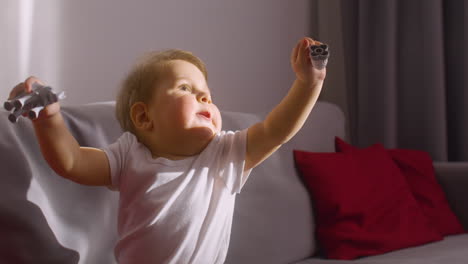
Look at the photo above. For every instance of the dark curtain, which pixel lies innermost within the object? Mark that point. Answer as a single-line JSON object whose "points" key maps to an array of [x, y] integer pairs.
{"points": [[406, 76]]}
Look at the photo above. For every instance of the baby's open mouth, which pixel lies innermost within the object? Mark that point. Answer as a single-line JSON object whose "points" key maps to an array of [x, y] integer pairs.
{"points": [[205, 114]]}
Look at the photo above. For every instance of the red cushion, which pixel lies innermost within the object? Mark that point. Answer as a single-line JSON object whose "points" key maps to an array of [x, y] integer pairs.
{"points": [[416, 166], [363, 205]]}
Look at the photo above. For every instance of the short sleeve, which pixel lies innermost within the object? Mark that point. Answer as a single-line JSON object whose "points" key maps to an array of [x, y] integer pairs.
{"points": [[232, 160], [117, 154]]}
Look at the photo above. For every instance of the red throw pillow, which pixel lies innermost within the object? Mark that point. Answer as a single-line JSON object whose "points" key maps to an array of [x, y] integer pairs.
{"points": [[416, 166], [363, 205]]}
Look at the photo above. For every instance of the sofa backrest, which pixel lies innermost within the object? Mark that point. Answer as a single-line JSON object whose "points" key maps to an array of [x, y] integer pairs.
{"points": [[48, 219], [273, 218]]}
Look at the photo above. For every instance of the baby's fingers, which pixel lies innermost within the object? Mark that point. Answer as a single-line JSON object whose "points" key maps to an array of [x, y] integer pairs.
{"points": [[295, 52], [24, 87], [30, 81], [16, 90], [303, 51], [314, 42]]}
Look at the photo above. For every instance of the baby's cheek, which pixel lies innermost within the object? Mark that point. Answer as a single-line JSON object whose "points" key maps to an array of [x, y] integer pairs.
{"points": [[184, 110], [218, 121]]}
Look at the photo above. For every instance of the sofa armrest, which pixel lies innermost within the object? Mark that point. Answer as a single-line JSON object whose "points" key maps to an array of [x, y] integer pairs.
{"points": [[453, 177]]}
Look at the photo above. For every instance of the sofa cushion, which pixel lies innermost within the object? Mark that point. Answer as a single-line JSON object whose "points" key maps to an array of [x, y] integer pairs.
{"points": [[450, 250], [453, 178], [271, 212], [273, 217], [416, 166], [52, 220], [48, 219], [363, 204]]}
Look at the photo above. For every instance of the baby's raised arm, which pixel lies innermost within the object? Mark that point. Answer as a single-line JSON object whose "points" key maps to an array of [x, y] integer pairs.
{"points": [[285, 120], [60, 149]]}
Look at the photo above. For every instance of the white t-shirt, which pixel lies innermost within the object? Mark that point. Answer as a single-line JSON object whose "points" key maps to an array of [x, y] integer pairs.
{"points": [[176, 211]]}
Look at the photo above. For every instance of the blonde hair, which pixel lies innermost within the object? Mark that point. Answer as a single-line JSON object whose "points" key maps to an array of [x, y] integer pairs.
{"points": [[139, 84]]}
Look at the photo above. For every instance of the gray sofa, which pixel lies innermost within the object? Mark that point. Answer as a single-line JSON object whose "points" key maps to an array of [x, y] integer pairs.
{"points": [[47, 219]]}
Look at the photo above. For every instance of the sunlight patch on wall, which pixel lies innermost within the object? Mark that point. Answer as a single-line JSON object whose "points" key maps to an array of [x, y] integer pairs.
{"points": [[25, 15]]}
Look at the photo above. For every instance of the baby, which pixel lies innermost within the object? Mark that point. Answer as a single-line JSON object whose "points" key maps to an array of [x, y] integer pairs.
{"points": [[177, 172]]}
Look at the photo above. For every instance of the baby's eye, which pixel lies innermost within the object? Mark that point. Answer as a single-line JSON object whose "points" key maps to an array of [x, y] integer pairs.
{"points": [[184, 87]]}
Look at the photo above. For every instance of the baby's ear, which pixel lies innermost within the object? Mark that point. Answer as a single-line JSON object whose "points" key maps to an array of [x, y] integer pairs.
{"points": [[139, 116]]}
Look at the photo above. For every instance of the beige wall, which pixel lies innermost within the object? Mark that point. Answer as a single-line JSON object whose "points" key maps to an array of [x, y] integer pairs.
{"points": [[85, 47]]}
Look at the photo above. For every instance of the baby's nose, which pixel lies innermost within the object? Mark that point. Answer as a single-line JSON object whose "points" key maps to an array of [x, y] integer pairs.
{"points": [[205, 99]]}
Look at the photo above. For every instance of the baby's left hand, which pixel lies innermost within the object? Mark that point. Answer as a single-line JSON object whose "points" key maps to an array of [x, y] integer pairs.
{"points": [[302, 64]]}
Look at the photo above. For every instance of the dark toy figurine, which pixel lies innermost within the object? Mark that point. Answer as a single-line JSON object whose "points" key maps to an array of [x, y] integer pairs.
{"points": [[319, 55], [32, 103]]}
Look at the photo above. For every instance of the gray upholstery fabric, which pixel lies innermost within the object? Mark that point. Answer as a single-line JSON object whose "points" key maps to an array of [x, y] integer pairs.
{"points": [[47, 219], [453, 177], [273, 219], [453, 250]]}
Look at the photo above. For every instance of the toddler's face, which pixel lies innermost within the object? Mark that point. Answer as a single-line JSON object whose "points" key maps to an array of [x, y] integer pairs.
{"points": [[182, 104]]}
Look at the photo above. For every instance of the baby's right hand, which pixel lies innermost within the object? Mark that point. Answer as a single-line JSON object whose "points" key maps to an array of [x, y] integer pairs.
{"points": [[26, 87]]}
